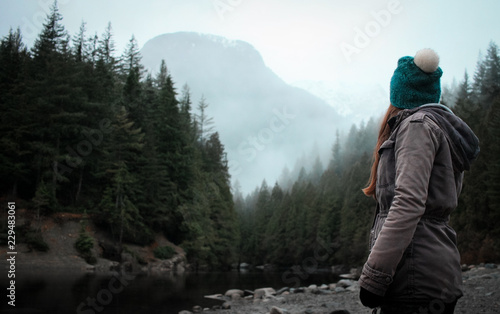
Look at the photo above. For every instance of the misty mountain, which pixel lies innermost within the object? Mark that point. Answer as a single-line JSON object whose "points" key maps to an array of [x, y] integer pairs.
{"points": [[263, 122], [355, 102]]}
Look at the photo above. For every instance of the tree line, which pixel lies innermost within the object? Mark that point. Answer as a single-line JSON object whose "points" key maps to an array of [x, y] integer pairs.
{"points": [[84, 130], [284, 224]]}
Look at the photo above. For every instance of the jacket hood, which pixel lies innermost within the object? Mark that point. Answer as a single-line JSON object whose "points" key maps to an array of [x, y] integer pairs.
{"points": [[463, 142]]}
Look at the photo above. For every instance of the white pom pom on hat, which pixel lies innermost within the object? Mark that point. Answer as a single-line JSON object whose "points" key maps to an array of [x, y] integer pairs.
{"points": [[427, 60]]}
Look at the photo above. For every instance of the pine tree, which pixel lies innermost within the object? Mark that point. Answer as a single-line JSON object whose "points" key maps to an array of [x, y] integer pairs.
{"points": [[15, 154], [106, 66], [491, 81], [222, 213], [117, 205], [58, 105], [493, 167], [204, 122]]}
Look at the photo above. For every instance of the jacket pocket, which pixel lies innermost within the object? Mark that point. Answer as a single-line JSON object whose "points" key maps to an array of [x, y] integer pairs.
{"points": [[377, 227], [386, 167]]}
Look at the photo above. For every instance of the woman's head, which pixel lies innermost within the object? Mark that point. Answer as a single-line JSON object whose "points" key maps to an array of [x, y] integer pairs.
{"points": [[416, 80]]}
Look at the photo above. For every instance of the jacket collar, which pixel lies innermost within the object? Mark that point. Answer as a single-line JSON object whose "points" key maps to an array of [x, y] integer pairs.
{"points": [[463, 142]]}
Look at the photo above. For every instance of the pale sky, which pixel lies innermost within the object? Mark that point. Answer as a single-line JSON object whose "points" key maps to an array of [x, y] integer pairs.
{"points": [[320, 40]]}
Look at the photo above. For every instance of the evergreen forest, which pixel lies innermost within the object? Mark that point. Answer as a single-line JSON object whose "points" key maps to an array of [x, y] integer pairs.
{"points": [[86, 130]]}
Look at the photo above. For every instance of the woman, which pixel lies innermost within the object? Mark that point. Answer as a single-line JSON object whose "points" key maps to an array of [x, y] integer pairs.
{"points": [[416, 178]]}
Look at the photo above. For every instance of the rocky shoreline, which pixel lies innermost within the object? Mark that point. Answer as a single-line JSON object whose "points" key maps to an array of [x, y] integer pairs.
{"points": [[481, 286]]}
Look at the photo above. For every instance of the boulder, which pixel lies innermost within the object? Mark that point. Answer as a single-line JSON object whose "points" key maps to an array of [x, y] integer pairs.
{"points": [[345, 283], [297, 290], [348, 276], [266, 267], [217, 297], [313, 289], [244, 266], [231, 292], [263, 292], [280, 291], [277, 310]]}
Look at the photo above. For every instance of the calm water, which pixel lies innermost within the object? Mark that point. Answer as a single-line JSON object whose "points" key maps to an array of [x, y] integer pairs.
{"points": [[62, 292]]}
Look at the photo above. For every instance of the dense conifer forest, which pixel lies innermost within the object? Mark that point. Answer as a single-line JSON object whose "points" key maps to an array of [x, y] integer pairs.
{"points": [[88, 131]]}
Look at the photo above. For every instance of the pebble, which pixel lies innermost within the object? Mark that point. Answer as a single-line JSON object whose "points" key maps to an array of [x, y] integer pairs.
{"points": [[277, 310]]}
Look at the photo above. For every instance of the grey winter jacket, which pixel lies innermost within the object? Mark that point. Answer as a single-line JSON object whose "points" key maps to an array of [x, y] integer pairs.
{"points": [[413, 249]]}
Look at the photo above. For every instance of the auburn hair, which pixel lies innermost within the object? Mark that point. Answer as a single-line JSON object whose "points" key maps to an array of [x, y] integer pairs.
{"points": [[383, 135]]}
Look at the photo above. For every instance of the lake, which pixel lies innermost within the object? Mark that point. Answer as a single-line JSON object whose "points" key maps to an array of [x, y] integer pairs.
{"points": [[64, 292]]}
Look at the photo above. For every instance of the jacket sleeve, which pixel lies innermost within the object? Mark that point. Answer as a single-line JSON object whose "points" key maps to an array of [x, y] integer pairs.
{"points": [[415, 149]]}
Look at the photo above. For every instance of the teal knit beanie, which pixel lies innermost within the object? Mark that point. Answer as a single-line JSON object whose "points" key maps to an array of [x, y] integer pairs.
{"points": [[416, 81]]}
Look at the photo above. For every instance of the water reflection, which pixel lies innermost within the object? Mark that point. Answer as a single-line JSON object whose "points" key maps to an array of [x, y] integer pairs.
{"points": [[73, 292]]}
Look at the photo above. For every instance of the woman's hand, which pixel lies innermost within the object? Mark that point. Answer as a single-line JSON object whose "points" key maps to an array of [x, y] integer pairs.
{"points": [[369, 299]]}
